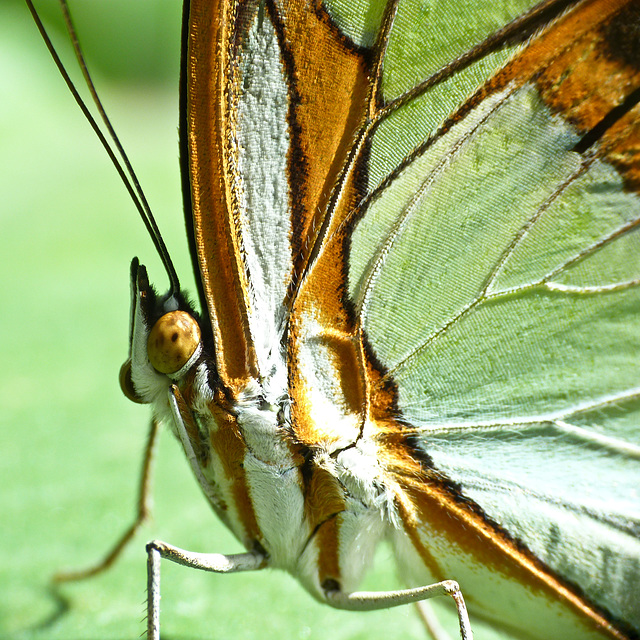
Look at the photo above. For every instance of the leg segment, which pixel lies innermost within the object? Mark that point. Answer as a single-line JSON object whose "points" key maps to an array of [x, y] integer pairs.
{"points": [[143, 513], [215, 562], [371, 600]]}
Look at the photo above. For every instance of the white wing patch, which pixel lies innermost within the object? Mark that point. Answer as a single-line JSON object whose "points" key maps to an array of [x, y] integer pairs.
{"points": [[263, 139]]}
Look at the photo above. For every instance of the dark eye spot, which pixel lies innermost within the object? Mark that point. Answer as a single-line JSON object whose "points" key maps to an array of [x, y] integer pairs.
{"points": [[174, 337]]}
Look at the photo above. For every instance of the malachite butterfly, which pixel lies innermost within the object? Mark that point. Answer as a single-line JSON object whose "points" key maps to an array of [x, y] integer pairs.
{"points": [[415, 232]]}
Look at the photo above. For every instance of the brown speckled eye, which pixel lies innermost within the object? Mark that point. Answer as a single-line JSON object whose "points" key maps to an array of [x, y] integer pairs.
{"points": [[174, 338]]}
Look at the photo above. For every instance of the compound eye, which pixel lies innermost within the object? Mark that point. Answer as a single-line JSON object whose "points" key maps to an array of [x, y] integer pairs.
{"points": [[126, 383], [174, 338]]}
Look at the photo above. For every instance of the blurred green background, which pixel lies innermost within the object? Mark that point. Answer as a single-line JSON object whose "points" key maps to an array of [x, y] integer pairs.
{"points": [[70, 443]]}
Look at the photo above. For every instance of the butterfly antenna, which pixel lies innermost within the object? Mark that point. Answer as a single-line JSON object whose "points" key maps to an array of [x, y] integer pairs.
{"points": [[122, 164]]}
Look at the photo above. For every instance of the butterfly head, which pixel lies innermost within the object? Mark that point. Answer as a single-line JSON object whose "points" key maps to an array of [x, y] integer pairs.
{"points": [[165, 340]]}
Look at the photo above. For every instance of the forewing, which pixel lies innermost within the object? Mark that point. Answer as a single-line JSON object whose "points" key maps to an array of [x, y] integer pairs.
{"points": [[266, 131]]}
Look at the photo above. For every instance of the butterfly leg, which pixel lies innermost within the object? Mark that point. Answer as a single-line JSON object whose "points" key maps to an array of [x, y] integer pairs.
{"points": [[215, 562], [430, 621], [371, 600], [142, 515]]}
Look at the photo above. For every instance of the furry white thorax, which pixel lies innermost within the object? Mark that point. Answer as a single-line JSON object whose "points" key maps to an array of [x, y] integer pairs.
{"points": [[278, 497]]}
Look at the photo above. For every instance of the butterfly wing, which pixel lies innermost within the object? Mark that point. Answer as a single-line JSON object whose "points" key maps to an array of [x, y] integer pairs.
{"points": [[493, 273], [261, 163], [449, 267]]}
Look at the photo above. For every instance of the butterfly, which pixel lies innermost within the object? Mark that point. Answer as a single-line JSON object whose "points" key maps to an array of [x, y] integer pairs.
{"points": [[418, 280]]}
